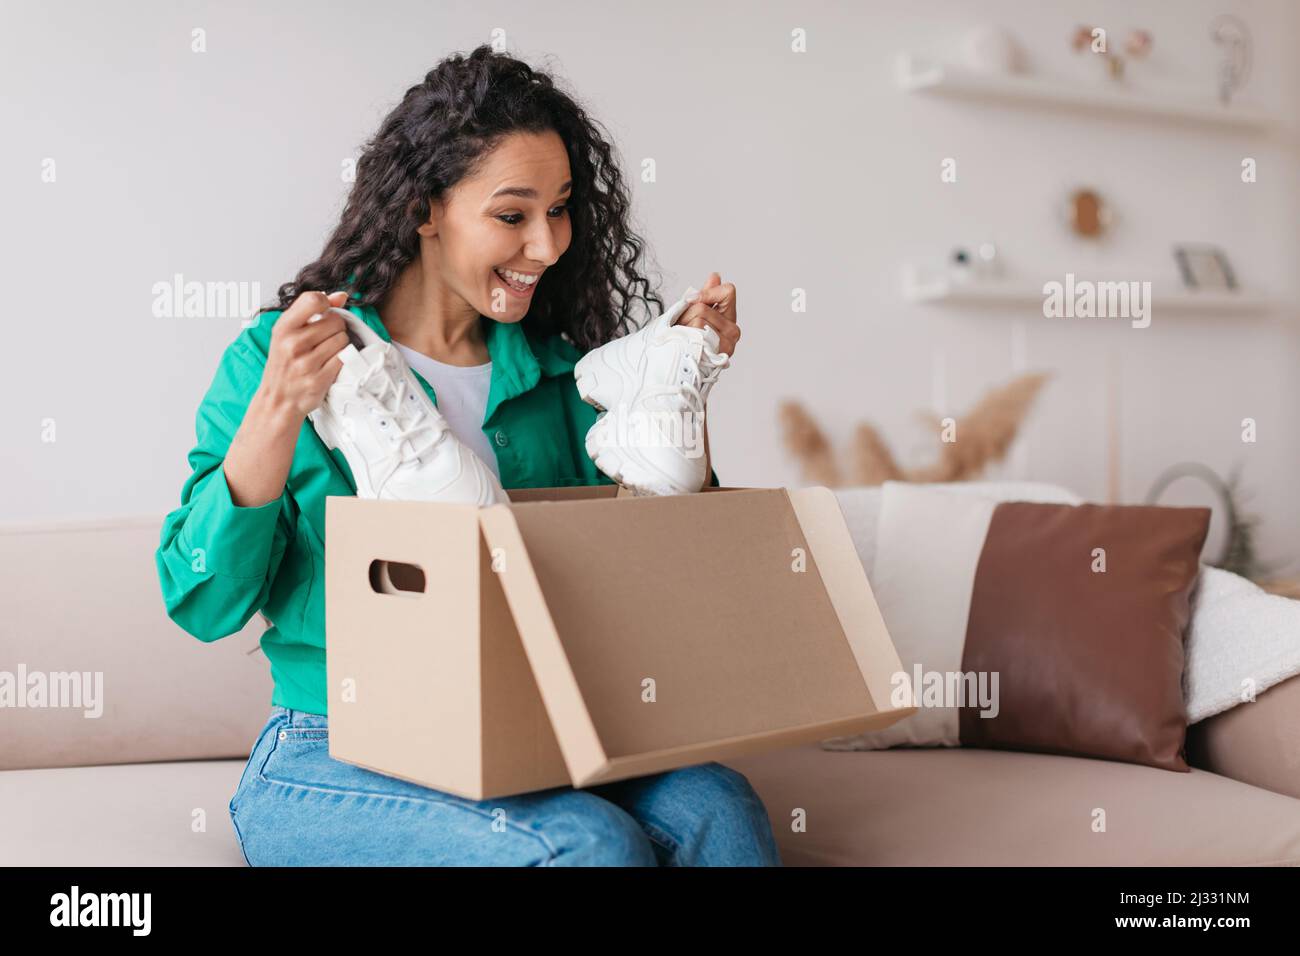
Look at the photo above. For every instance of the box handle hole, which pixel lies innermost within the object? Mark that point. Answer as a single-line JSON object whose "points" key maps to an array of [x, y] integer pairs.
{"points": [[396, 577]]}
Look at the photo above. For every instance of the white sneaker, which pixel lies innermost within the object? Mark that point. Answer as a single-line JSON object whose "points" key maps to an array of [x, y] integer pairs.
{"points": [[652, 386], [395, 440]]}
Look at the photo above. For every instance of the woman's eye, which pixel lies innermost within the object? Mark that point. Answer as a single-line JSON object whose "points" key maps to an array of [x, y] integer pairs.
{"points": [[513, 218]]}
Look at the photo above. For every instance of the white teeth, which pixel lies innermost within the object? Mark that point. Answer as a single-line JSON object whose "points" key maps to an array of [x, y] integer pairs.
{"points": [[517, 276]]}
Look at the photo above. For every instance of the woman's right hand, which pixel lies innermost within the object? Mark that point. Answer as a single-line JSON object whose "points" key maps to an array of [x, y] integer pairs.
{"points": [[300, 363]]}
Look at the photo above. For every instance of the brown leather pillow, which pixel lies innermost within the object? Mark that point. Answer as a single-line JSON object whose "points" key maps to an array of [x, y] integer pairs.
{"points": [[1090, 661]]}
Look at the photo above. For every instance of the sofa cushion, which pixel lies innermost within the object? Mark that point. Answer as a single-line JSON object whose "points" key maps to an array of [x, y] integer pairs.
{"points": [[884, 808], [933, 807], [1257, 741], [142, 814], [81, 600]]}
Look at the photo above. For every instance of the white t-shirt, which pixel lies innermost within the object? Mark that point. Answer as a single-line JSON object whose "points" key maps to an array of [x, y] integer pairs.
{"points": [[462, 392]]}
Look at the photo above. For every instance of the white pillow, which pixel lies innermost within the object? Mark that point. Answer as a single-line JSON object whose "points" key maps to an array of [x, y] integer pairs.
{"points": [[1241, 641], [861, 505]]}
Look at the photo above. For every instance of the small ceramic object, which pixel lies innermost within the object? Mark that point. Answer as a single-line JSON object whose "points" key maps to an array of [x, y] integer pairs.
{"points": [[1087, 213], [1138, 44], [959, 264], [993, 50], [987, 262]]}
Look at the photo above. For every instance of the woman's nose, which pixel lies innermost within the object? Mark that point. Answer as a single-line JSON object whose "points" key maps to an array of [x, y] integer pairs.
{"points": [[541, 246]]}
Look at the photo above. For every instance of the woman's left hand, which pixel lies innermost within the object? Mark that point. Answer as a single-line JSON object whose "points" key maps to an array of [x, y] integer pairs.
{"points": [[715, 306]]}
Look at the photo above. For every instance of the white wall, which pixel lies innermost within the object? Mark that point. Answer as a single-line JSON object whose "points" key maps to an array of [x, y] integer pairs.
{"points": [[780, 170]]}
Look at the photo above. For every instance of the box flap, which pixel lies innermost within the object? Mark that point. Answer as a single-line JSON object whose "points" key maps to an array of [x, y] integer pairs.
{"points": [[562, 493], [850, 592], [546, 656], [716, 626]]}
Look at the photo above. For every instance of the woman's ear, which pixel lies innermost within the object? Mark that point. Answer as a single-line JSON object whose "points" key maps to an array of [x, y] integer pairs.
{"points": [[429, 228]]}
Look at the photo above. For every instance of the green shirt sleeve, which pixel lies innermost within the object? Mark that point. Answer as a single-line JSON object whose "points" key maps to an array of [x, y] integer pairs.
{"points": [[216, 560]]}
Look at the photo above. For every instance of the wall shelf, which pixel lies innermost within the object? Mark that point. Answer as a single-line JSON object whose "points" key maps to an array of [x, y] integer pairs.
{"points": [[917, 74], [1022, 295]]}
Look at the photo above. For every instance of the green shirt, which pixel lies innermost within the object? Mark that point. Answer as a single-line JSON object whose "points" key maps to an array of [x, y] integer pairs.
{"points": [[219, 563]]}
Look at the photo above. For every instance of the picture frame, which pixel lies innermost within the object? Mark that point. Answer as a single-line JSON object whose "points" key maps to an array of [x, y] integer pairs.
{"points": [[1204, 267]]}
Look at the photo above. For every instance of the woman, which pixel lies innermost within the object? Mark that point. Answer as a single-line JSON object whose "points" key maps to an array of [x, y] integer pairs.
{"points": [[484, 166]]}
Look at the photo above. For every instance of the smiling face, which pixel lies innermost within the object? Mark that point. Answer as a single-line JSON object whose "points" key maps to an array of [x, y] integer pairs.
{"points": [[498, 231]]}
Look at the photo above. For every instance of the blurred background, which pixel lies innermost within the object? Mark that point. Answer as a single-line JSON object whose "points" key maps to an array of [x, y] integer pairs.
{"points": [[890, 185]]}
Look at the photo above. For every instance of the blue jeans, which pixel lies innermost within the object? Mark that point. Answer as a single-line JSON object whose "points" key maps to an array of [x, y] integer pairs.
{"points": [[297, 806]]}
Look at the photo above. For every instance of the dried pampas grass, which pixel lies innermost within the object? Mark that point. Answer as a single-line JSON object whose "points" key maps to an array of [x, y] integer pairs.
{"points": [[805, 440], [978, 439]]}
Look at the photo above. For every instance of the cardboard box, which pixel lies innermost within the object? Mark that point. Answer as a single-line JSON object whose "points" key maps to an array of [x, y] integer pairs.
{"points": [[579, 635]]}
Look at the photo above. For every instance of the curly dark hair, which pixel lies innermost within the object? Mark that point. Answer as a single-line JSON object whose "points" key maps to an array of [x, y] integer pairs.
{"points": [[440, 132]]}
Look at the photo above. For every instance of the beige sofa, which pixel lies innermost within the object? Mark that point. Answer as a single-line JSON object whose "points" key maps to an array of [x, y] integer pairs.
{"points": [[148, 781]]}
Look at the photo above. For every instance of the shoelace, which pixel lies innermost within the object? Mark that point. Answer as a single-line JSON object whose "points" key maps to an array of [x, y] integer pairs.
{"points": [[378, 382], [696, 380], [716, 362]]}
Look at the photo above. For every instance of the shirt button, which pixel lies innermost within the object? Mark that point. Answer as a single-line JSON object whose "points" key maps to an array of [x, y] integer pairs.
{"points": [[284, 735], [501, 438]]}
